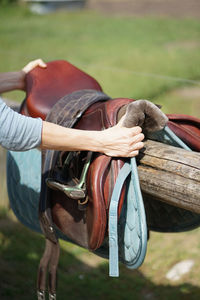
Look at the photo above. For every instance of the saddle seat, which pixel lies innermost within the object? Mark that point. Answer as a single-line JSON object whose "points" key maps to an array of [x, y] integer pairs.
{"points": [[44, 87]]}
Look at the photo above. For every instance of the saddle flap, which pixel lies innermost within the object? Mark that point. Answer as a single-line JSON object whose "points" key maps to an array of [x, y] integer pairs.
{"points": [[187, 128], [88, 227], [102, 176]]}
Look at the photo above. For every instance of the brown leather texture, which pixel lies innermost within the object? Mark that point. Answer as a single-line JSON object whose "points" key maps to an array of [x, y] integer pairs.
{"points": [[89, 228], [44, 87], [187, 128]]}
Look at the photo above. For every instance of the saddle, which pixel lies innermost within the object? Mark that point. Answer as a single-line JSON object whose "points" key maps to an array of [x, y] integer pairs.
{"points": [[44, 87], [77, 188]]}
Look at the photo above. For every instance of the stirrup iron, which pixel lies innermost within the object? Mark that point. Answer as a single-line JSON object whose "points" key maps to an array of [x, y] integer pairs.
{"points": [[77, 191]]}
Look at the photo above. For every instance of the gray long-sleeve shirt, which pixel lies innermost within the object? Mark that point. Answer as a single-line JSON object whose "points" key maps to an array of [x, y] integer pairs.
{"points": [[18, 132]]}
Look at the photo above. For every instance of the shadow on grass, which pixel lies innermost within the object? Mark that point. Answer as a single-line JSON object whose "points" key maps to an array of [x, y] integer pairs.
{"points": [[21, 250]]}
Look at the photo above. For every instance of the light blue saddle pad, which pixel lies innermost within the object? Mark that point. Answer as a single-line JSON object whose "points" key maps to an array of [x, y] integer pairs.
{"points": [[23, 182], [24, 185]]}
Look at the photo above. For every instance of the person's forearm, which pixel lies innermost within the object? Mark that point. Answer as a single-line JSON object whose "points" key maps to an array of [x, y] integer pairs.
{"points": [[18, 132], [12, 81], [16, 80], [115, 141], [61, 138]]}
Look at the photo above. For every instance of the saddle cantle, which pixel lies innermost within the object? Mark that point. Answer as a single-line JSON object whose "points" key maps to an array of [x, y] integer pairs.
{"points": [[44, 87]]}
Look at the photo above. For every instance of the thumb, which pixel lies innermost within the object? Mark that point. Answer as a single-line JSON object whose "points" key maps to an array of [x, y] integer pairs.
{"points": [[121, 122], [31, 65]]}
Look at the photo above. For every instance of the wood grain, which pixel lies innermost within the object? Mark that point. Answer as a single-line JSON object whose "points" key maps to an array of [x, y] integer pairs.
{"points": [[170, 174]]}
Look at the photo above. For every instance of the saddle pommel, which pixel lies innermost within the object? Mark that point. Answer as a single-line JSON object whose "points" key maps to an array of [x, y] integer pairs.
{"points": [[145, 114]]}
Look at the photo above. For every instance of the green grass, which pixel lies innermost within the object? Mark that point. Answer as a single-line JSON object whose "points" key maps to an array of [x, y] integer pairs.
{"points": [[21, 249], [127, 56]]}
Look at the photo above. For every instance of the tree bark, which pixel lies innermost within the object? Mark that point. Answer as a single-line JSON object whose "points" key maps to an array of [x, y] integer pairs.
{"points": [[171, 175]]}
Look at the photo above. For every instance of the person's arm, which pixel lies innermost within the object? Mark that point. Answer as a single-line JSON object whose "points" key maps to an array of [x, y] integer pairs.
{"points": [[16, 80], [21, 133], [12, 81], [18, 132], [115, 141]]}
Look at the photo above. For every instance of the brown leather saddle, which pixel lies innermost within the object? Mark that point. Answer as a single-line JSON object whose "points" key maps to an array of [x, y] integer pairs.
{"points": [[46, 86], [82, 216]]}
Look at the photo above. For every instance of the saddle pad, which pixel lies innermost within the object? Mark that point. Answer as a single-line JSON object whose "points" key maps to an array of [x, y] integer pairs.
{"points": [[24, 186], [132, 223]]}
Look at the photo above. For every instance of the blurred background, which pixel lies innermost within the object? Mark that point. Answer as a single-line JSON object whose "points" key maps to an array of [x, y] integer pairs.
{"points": [[135, 49]]}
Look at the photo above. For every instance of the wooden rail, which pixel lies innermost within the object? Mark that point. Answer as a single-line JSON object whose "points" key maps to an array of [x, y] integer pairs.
{"points": [[171, 175], [167, 174]]}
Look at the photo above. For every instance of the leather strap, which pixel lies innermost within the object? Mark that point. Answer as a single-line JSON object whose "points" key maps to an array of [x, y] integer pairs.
{"points": [[167, 136], [49, 260], [136, 217], [139, 233], [175, 138]]}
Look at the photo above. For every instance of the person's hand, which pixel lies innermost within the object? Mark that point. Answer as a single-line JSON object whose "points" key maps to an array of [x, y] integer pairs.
{"points": [[11, 81], [122, 141], [32, 64]]}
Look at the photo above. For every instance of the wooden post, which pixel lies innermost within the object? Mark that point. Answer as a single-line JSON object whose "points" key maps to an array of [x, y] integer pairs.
{"points": [[171, 175]]}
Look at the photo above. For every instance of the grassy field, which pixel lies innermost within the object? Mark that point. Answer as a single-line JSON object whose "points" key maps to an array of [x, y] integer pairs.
{"points": [[152, 58], [130, 57]]}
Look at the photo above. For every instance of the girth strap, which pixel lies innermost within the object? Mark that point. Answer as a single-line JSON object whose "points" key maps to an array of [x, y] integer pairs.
{"points": [[135, 220], [49, 260], [175, 138], [167, 136]]}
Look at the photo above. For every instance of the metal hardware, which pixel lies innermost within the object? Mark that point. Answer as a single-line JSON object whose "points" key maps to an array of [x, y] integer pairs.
{"points": [[41, 295], [77, 191], [52, 296]]}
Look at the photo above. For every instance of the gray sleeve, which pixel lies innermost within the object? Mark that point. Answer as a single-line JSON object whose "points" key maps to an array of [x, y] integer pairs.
{"points": [[18, 132]]}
